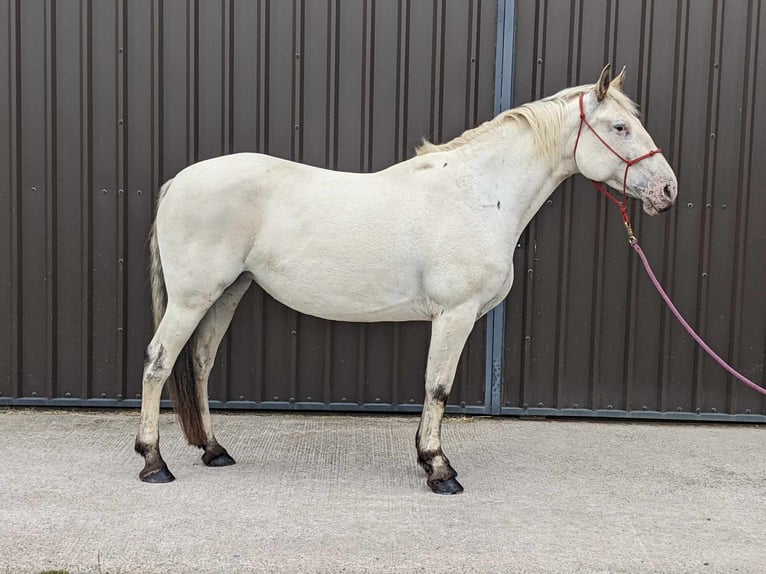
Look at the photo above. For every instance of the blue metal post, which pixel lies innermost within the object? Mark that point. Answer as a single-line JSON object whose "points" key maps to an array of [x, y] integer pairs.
{"points": [[506, 29]]}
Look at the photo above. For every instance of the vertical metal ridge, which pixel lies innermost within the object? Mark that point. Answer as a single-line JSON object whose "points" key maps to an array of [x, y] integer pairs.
{"points": [[671, 226], [333, 79], [469, 65], [50, 196], [395, 374], [361, 352], [122, 175], [86, 172], [17, 303], [437, 80], [744, 184], [157, 101], [262, 71], [714, 90], [366, 93], [476, 63], [227, 65], [327, 389], [192, 81], [297, 91], [402, 79], [259, 342]]}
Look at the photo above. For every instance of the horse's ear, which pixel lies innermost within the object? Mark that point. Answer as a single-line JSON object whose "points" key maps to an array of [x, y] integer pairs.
{"points": [[618, 81], [602, 86]]}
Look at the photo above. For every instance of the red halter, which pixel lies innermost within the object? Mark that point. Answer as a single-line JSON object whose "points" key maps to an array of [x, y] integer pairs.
{"points": [[628, 164]]}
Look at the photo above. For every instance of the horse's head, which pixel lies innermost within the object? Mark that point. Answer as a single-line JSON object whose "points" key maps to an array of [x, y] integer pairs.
{"points": [[613, 147]]}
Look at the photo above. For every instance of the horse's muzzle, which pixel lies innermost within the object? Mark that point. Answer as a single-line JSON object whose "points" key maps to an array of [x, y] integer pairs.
{"points": [[659, 195]]}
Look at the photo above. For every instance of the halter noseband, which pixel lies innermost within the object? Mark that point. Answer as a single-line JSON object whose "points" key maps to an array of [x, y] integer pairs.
{"points": [[628, 164]]}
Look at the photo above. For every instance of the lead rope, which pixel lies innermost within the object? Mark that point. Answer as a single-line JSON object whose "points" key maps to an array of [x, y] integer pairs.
{"points": [[633, 241]]}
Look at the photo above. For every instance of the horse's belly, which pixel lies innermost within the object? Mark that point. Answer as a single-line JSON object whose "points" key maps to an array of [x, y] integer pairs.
{"points": [[332, 292]]}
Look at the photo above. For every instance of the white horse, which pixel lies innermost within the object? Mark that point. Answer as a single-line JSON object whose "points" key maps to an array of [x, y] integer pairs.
{"points": [[428, 239]]}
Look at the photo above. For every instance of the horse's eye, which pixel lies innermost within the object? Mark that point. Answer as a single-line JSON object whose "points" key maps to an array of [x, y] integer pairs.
{"points": [[620, 128]]}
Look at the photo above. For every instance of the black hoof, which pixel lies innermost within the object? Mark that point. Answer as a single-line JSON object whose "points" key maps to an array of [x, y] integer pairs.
{"points": [[450, 486], [159, 475], [222, 459]]}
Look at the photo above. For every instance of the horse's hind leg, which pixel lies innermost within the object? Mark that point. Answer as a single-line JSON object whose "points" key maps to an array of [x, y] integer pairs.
{"points": [[449, 333], [205, 345], [177, 325]]}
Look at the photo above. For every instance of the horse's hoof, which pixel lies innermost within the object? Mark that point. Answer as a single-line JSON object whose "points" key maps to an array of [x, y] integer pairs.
{"points": [[222, 459], [450, 486], [159, 475]]}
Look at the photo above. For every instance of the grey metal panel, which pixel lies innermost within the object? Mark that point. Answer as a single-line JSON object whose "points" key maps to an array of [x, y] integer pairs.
{"points": [[100, 102], [584, 327]]}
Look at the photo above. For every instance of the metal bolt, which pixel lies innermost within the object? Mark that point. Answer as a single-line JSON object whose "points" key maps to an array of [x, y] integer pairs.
{"points": [[138, 395], [68, 395], [139, 192], [462, 404], [292, 399], [34, 394], [308, 398], [724, 206], [708, 206], [698, 410], [712, 136], [343, 399], [473, 59], [576, 406], [680, 409], [297, 56], [377, 400], [292, 332], [297, 126], [120, 261], [103, 190], [530, 271], [549, 202], [478, 402], [119, 121], [704, 275], [748, 411], [120, 191], [525, 406], [690, 204], [518, 246], [103, 395], [609, 406], [241, 397], [644, 408], [713, 410], [527, 338], [411, 401], [33, 188], [276, 398], [540, 405], [120, 50], [120, 329], [119, 397], [539, 60]]}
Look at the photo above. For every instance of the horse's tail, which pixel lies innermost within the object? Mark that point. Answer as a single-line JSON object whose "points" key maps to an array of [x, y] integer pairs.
{"points": [[181, 381]]}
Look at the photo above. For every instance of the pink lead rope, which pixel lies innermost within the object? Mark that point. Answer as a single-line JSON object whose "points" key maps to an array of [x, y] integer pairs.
{"points": [[633, 241]]}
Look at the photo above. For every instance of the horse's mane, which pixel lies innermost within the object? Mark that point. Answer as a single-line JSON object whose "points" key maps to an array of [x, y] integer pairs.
{"points": [[544, 118]]}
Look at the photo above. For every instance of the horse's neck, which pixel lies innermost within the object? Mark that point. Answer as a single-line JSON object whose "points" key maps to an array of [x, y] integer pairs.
{"points": [[522, 177]]}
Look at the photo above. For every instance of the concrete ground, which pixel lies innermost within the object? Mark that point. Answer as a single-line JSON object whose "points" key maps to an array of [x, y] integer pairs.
{"points": [[322, 493]]}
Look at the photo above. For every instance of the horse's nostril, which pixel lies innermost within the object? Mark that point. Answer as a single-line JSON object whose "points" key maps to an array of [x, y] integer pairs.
{"points": [[668, 191]]}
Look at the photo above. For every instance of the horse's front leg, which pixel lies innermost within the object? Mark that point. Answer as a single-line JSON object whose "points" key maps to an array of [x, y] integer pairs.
{"points": [[449, 333]]}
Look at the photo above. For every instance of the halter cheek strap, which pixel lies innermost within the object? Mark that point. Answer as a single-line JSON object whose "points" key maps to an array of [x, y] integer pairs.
{"points": [[628, 162]]}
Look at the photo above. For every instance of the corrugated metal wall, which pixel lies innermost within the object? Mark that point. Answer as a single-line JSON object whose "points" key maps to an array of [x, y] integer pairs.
{"points": [[585, 329], [102, 100]]}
